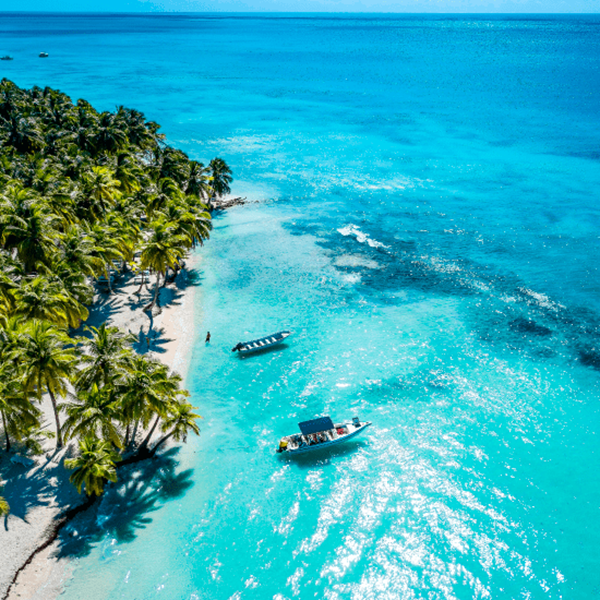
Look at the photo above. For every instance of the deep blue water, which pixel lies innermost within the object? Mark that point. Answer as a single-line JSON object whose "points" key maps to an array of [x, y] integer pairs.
{"points": [[429, 228]]}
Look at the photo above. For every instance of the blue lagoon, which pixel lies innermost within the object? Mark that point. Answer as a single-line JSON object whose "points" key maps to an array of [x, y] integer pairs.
{"points": [[427, 225]]}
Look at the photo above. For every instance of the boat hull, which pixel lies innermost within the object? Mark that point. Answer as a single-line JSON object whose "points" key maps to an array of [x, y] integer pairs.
{"points": [[264, 343], [328, 444]]}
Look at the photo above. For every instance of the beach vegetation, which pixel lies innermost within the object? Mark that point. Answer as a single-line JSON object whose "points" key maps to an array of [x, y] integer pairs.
{"points": [[94, 466], [86, 195], [4, 507]]}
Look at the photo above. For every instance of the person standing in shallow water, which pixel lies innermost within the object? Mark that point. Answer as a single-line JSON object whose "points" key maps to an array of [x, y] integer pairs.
{"points": [[207, 340]]}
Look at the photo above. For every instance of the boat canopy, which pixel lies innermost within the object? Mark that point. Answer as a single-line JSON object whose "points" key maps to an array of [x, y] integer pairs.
{"points": [[316, 425]]}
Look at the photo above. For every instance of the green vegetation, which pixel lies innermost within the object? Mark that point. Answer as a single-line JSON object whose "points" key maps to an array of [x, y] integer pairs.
{"points": [[84, 194]]}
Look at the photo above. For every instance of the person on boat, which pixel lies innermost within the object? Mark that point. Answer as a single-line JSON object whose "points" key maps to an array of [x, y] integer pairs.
{"points": [[282, 446], [238, 347], [207, 340]]}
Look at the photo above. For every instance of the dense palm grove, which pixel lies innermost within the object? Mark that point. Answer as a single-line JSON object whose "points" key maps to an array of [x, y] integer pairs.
{"points": [[84, 193]]}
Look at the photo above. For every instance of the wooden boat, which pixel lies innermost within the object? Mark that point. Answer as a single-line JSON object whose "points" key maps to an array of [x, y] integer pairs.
{"points": [[261, 343], [321, 433]]}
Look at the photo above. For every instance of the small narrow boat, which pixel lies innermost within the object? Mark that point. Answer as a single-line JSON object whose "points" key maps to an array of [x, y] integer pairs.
{"points": [[43, 55], [7, 57], [261, 343], [321, 433]]}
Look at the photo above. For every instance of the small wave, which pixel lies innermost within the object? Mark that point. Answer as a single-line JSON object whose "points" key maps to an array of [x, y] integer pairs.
{"points": [[541, 299], [360, 236]]}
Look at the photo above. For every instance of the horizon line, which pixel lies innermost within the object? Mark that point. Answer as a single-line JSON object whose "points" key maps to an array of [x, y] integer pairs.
{"points": [[287, 12]]}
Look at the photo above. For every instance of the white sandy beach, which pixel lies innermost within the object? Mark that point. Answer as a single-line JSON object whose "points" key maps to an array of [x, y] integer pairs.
{"points": [[37, 494]]}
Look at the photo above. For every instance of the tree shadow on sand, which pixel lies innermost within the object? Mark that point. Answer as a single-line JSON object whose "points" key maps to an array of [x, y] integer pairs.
{"points": [[127, 505], [42, 484]]}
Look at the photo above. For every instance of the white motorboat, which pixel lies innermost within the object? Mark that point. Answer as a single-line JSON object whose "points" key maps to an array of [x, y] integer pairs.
{"points": [[261, 343], [320, 433]]}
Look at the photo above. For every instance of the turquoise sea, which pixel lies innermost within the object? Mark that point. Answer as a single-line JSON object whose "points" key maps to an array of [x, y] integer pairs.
{"points": [[429, 228]]}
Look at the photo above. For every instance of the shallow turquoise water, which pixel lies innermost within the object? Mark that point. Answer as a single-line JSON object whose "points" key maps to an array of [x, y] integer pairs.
{"points": [[429, 230]]}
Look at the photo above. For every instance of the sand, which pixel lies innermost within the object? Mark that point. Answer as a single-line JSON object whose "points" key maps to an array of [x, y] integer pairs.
{"points": [[37, 494]]}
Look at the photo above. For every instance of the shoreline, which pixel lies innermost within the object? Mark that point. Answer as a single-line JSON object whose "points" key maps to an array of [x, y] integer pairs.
{"points": [[167, 336]]}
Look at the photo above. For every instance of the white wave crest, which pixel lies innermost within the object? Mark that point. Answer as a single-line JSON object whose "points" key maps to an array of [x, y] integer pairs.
{"points": [[360, 236]]}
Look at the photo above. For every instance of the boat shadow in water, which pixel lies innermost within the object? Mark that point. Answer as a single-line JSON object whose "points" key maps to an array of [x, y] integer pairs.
{"points": [[263, 351], [127, 505], [324, 455]]}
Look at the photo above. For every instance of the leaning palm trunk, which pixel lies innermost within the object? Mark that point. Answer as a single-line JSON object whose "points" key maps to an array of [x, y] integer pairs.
{"points": [[155, 299], [146, 441], [139, 290], [4, 424], [160, 442], [59, 440]]}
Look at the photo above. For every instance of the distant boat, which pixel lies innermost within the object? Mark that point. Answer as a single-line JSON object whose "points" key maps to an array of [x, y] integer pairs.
{"points": [[7, 57], [261, 343], [321, 433], [43, 55]]}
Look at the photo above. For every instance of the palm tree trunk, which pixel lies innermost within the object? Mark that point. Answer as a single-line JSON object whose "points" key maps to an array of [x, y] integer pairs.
{"points": [[147, 438], [134, 434], [160, 442], [156, 297], [127, 432], [59, 440], [6, 432], [107, 271], [141, 284]]}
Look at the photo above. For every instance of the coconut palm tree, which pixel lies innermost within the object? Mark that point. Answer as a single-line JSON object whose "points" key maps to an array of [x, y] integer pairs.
{"points": [[17, 413], [163, 249], [170, 392], [110, 134], [178, 424], [48, 361], [106, 356], [101, 189], [198, 183], [220, 177], [94, 412], [94, 466], [47, 299]]}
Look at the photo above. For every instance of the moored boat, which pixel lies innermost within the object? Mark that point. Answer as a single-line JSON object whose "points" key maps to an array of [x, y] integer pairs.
{"points": [[6, 57], [261, 343], [43, 55], [321, 433]]}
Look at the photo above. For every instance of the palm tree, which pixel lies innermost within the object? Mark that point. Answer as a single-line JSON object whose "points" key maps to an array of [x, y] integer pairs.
{"points": [[94, 466], [220, 177], [94, 412], [110, 135], [106, 356], [162, 194], [178, 424], [198, 183], [17, 413], [48, 362], [107, 245], [162, 250], [101, 189], [42, 298], [170, 393], [24, 134]]}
